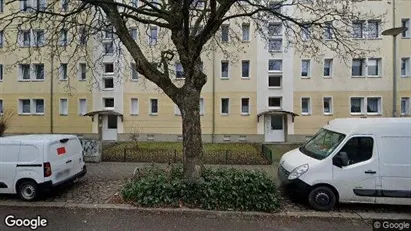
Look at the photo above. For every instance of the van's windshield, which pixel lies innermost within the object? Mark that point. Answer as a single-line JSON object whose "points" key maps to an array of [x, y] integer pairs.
{"points": [[322, 144]]}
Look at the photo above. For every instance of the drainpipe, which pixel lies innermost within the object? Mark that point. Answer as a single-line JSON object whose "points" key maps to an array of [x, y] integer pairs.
{"points": [[51, 94], [213, 118], [394, 98]]}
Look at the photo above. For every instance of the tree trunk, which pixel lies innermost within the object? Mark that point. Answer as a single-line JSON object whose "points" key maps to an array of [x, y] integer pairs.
{"points": [[192, 143]]}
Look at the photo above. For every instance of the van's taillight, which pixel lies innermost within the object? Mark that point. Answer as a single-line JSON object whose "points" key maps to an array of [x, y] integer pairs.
{"points": [[47, 169]]}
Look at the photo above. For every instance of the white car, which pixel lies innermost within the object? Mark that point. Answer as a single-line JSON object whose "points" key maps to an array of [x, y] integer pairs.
{"points": [[32, 164], [353, 160]]}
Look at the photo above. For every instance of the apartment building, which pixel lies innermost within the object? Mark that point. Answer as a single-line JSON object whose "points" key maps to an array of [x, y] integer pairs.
{"points": [[259, 93]]}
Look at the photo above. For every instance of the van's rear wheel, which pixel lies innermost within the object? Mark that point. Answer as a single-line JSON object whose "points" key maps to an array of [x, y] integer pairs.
{"points": [[28, 190], [322, 198]]}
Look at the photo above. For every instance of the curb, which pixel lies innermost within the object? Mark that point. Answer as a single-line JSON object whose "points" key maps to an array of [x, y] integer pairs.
{"points": [[312, 214]]}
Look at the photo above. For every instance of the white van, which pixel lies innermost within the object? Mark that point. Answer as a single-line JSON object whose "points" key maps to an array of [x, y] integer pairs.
{"points": [[31, 164], [353, 160]]}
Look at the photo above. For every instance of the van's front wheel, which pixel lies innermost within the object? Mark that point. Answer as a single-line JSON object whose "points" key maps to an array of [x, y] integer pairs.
{"points": [[28, 190], [322, 198]]}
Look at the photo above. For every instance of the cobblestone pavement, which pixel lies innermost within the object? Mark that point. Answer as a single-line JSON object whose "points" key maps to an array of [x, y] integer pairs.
{"points": [[104, 180]]}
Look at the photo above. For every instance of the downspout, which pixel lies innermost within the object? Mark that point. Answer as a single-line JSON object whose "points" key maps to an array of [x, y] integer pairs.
{"points": [[51, 94], [213, 92], [394, 98]]}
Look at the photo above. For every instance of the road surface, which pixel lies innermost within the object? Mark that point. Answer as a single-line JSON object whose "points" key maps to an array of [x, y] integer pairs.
{"points": [[110, 219]]}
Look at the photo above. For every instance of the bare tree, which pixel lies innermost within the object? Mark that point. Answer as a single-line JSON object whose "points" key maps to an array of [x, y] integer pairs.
{"points": [[187, 29], [5, 120]]}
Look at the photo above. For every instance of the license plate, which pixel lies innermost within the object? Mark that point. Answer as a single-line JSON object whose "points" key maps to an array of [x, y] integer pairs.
{"points": [[63, 174]]}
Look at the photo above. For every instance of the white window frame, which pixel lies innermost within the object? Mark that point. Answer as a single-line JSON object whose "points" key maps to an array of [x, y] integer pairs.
{"points": [[248, 106], [80, 106], [362, 106], [228, 69], [21, 108], [272, 33], [363, 29], [150, 106], [35, 72], [1, 39], [104, 103], [177, 65], [275, 50], [364, 68], [108, 44], [275, 76], [104, 83], [152, 41], [407, 108], [275, 107], [308, 105], [1, 106], [223, 27], [104, 68], [64, 37], [308, 71], [61, 109], [36, 41], [330, 105], [1, 72], [379, 67], [379, 100], [378, 28], [21, 38], [407, 61], [249, 69], [276, 60], [20, 72], [80, 71], [132, 67], [61, 70], [245, 29], [64, 5], [202, 107], [331, 61], [221, 106], [406, 34], [328, 30], [133, 33], [134, 111], [34, 105]]}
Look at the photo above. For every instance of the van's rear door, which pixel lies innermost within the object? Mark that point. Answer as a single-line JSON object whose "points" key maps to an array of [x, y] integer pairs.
{"points": [[63, 156]]}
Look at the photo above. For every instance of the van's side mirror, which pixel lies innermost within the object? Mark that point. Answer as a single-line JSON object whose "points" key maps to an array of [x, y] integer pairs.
{"points": [[337, 161]]}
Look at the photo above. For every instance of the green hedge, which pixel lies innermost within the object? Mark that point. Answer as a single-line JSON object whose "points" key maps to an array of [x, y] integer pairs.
{"points": [[217, 189]]}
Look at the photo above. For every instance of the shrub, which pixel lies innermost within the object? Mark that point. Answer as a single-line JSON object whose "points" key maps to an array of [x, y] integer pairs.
{"points": [[217, 189], [5, 120]]}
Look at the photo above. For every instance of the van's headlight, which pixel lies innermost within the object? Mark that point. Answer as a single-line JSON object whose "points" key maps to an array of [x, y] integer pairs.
{"points": [[298, 171]]}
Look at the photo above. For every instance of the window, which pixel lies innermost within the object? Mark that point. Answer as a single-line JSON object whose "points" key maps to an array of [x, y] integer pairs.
{"points": [[82, 110], [153, 106], [1, 6], [63, 107], [134, 106], [405, 106], [24, 71], [179, 71], [108, 48], [406, 23], [63, 71], [277, 122], [224, 33], [63, 37], [201, 106], [356, 150], [328, 105], [24, 106], [134, 3], [65, 5], [328, 30], [275, 44], [1, 72], [245, 106], [153, 35], [373, 105], [38, 106], [405, 67], [358, 67], [109, 32], [39, 39], [108, 83], [246, 32], [275, 65], [108, 68], [305, 68], [274, 102], [374, 29], [40, 4], [274, 81], [374, 67], [83, 71], [1, 107], [275, 7], [1, 37], [357, 105], [275, 29], [109, 102], [39, 71], [305, 106], [225, 106], [305, 33], [328, 67], [24, 5], [358, 29], [25, 38], [134, 72], [133, 33], [224, 69], [82, 35], [245, 69]]}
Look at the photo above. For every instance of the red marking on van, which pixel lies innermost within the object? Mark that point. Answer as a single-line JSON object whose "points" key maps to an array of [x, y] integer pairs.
{"points": [[61, 151]]}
